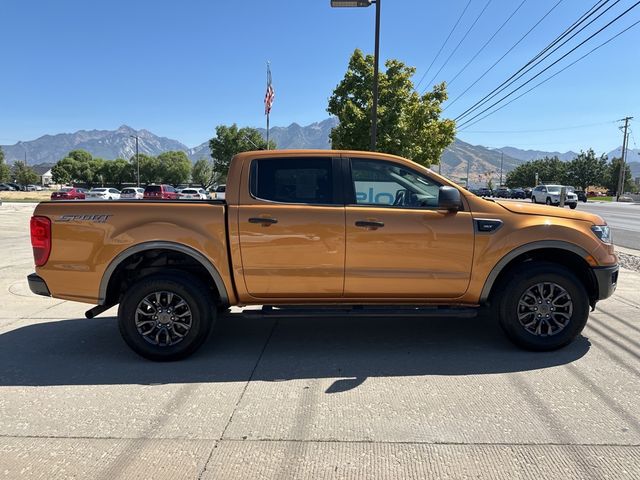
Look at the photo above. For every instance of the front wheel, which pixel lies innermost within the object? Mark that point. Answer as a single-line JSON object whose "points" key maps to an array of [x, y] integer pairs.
{"points": [[543, 307], [548, 202], [167, 316], [573, 205]]}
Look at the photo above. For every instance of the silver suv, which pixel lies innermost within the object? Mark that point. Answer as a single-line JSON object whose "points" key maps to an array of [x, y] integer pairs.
{"points": [[550, 194]]}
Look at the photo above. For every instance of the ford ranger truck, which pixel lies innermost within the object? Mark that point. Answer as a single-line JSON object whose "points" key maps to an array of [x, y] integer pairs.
{"points": [[332, 229]]}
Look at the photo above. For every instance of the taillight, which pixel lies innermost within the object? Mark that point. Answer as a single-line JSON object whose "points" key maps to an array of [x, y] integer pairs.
{"points": [[41, 239]]}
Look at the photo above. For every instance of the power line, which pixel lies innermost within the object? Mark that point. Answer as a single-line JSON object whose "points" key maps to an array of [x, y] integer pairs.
{"points": [[541, 56], [540, 130], [505, 54], [430, 82], [443, 44], [487, 42], [467, 124]]}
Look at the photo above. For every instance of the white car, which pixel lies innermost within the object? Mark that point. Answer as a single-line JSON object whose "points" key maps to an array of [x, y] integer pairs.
{"points": [[193, 194], [550, 195], [132, 193], [103, 194], [219, 192]]}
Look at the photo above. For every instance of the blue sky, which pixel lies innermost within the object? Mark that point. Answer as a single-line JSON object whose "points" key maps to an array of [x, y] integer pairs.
{"points": [[179, 69]]}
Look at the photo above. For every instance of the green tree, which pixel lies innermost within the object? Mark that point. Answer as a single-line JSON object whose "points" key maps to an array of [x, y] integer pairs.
{"points": [[613, 173], [203, 173], [549, 169], [232, 140], [586, 170], [150, 170], [23, 173], [4, 168], [78, 166], [175, 167], [117, 172], [409, 124]]}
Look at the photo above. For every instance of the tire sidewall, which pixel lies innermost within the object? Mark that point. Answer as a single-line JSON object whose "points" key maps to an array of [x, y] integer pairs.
{"points": [[192, 292], [518, 284]]}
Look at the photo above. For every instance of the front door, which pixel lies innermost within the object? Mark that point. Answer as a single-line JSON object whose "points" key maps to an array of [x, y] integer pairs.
{"points": [[292, 237], [399, 244]]}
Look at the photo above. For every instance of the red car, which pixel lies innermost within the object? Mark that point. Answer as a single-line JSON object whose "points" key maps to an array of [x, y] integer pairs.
{"points": [[69, 193], [160, 192]]}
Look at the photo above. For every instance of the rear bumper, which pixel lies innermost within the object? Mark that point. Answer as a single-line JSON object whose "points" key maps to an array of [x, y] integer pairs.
{"points": [[607, 279], [38, 286]]}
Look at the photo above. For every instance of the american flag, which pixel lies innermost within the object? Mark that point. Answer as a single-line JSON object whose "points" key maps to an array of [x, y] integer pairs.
{"points": [[270, 95]]}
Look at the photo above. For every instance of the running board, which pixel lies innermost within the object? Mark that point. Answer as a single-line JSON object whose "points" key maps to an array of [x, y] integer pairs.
{"points": [[361, 311]]}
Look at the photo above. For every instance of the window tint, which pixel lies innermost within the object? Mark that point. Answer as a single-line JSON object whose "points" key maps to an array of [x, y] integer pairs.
{"points": [[293, 180], [153, 188], [384, 183], [221, 188]]}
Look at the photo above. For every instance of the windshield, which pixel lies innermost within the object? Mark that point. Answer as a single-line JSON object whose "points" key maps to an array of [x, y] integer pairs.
{"points": [[553, 189]]}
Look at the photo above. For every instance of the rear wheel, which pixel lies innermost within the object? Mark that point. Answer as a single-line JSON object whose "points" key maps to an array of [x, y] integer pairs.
{"points": [[533, 199], [544, 307], [573, 205], [166, 316]]}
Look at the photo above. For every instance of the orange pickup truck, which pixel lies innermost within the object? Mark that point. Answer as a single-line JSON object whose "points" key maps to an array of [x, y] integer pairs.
{"points": [[344, 231]]}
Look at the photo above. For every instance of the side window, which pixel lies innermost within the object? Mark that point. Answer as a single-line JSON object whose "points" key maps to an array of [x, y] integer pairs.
{"points": [[293, 180], [377, 182]]}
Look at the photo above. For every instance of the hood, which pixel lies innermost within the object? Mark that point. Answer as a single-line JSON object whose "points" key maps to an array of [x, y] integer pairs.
{"points": [[549, 211]]}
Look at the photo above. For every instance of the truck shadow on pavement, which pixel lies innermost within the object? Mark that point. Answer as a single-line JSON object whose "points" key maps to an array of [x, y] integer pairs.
{"points": [[349, 350]]}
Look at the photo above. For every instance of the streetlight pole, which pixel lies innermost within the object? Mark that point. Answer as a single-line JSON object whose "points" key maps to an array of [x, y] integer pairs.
{"points": [[376, 55], [137, 159], [501, 159]]}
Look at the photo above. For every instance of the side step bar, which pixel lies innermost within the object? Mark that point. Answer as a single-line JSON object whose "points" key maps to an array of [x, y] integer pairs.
{"points": [[361, 311]]}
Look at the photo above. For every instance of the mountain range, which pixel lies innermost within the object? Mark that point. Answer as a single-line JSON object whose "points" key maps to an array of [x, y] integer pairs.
{"points": [[109, 144]]}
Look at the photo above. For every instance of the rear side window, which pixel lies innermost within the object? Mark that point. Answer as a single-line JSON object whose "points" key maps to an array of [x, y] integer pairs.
{"points": [[293, 180], [153, 188]]}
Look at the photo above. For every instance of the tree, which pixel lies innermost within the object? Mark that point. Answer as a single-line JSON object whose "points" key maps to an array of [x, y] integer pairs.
{"points": [[409, 124], [548, 169], [586, 170], [150, 171], [23, 173], [175, 166], [612, 176], [78, 166], [203, 173], [117, 172], [4, 168], [231, 140]]}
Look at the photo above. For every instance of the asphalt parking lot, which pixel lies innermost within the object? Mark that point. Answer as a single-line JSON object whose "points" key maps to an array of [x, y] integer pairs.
{"points": [[311, 398]]}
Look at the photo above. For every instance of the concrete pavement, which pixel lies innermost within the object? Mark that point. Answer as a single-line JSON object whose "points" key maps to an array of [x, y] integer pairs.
{"points": [[311, 398]]}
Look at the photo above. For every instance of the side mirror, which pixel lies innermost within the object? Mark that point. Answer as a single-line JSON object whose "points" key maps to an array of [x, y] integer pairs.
{"points": [[449, 199]]}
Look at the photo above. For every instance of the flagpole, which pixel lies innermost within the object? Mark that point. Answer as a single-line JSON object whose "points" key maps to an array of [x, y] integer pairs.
{"points": [[268, 110]]}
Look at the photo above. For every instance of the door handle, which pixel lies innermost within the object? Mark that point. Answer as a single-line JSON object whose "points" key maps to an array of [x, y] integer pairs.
{"points": [[372, 224], [263, 221]]}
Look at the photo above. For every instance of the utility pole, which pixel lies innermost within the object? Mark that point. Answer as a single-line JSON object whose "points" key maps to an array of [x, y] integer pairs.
{"points": [[374, 109], [501, 159], [622, 160], [468, 165]]}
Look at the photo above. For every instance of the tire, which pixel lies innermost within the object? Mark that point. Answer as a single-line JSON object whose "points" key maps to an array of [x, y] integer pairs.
{"points": [[573, 205], [520, 321], [548, 202], [165, 339], [533, 199]]}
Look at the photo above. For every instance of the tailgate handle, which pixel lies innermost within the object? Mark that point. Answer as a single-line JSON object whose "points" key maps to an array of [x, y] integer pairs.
{"points": [[369, 224], [263, 221]]}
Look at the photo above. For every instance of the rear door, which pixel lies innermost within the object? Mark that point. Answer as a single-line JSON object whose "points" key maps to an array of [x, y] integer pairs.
{"points": [[292, 231], [399, 244]]}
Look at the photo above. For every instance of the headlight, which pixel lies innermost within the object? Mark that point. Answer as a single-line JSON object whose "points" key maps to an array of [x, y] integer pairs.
{"points": [[603, 232]]}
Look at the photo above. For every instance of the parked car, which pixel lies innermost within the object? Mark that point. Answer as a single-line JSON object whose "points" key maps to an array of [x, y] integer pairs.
{"points": [[582, 196], [285, 241], [484, 192], [69, 193], [160, 192], [193, 194], [219, 192], [503, 192], [550, 194], [5, 187], [33, 188], [103, 194], [518, 193], [15, 186], [132, 193], [527, 192]]}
